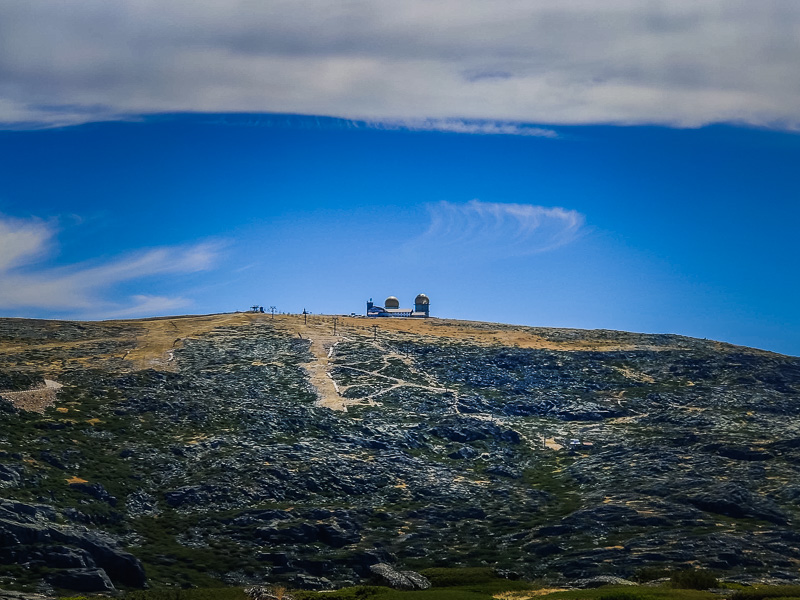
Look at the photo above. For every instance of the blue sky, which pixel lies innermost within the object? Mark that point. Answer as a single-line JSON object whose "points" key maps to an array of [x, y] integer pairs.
{"points": [[690, 231], [570, 164]]}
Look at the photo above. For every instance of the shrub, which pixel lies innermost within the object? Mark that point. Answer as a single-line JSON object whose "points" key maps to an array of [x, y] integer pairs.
{"points": [[694, 579], [646, 574]]}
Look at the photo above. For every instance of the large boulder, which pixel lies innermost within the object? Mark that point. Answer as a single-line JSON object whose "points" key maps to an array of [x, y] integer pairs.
{"points": [[399, 580]]}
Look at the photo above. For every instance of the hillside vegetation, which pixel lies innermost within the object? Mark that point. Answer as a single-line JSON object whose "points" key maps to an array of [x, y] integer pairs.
{"points": [[241, 449]]}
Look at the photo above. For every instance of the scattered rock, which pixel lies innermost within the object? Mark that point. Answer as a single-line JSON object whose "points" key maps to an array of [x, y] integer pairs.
{"points": [[599, 581], [10, 475], [310, 582], [9, 595]]}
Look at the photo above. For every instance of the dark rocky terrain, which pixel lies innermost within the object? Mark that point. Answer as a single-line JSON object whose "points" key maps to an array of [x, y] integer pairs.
{"points": [[194, 451]]}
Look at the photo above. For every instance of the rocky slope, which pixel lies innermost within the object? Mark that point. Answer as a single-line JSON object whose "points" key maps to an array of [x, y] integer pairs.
{"points": [[198, 450]]}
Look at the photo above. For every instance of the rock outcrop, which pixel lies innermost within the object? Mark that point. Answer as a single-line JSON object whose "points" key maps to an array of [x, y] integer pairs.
{"points": [[400, 580]]}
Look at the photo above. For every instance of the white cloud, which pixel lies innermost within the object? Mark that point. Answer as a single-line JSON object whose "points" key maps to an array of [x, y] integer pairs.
{"points": [[676, 62], [21, 241], [489, 230], [86, 288]]}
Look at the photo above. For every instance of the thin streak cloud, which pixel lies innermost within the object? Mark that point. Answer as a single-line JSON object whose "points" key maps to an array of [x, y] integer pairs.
{"points": [[465, 126], [481, 127]]}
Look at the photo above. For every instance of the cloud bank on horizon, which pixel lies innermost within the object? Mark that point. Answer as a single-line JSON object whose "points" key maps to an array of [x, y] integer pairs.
{"points": [[678, 62], [84, 289]]}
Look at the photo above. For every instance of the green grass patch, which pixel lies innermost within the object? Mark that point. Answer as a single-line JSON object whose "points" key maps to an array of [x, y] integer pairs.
{"points": [[776, 591], [380, 593], [478, 583], [196, 594], [443, 577]]}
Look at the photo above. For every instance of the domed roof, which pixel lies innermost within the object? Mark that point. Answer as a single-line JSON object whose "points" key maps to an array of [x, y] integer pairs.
{"points": [[391, 302], [422, 299]]}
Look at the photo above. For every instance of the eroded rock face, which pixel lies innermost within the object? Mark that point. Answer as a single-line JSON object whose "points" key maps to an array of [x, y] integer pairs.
{"points": [[565, 461], [83, 580]]}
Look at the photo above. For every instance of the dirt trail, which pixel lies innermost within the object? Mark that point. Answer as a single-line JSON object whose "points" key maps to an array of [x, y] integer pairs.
{"points": [[396, 381], [322, 348], [319, 331]]}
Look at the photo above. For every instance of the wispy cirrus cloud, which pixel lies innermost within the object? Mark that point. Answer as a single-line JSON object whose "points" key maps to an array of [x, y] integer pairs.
{"points": [[490, 230], [675, 62], [86, 288]]}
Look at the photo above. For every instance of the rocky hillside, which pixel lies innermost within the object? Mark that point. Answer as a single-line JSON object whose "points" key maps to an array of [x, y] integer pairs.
{"points": [[241, 448]]}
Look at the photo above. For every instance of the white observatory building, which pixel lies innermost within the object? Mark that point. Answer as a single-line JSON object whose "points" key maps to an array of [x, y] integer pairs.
{"points": [[391, 308]]}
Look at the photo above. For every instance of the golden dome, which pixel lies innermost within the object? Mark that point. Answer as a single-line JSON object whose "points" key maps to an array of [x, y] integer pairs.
{"points": [[391, 302], [422, 299]]}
